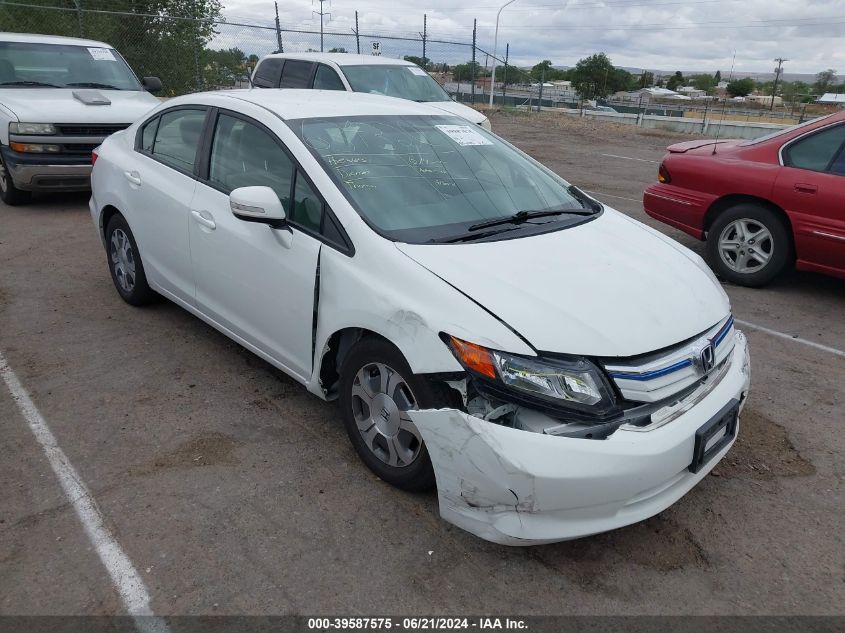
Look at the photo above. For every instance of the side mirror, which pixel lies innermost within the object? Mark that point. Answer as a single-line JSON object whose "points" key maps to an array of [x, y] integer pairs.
{"points": [[257, 204], [151, 84]]}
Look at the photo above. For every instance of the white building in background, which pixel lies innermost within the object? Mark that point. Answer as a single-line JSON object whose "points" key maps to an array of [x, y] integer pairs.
{"points": [[832, 98], [764, 99], [692, 92]]}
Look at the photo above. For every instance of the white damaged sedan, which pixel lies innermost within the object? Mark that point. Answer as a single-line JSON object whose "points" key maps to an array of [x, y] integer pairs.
{"points": [[555, 368]]}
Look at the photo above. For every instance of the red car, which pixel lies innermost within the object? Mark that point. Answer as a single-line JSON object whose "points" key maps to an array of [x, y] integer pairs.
{"points": [[761, 205]]}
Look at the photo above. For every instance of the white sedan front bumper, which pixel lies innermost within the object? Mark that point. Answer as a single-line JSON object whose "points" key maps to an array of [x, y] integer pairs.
{"points": [[516, 487]]}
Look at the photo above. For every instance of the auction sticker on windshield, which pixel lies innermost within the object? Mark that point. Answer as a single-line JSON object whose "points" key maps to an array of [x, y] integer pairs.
{"points": [[101, 54], [417, 71], [463, 135]]}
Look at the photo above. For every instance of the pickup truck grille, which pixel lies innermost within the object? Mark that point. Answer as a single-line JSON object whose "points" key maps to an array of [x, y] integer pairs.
{"points": [[95, 129]]}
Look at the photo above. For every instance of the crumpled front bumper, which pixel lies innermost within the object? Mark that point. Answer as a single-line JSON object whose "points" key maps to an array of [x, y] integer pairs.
{"points": [[515, 487]]}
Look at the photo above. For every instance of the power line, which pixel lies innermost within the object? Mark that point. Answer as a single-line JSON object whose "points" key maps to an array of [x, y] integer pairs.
{"points": [[775, 22], [321, 13]]}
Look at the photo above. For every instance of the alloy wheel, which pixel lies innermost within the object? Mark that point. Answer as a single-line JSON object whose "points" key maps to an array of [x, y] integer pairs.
{"points": [[746, 246], [381, 400]]}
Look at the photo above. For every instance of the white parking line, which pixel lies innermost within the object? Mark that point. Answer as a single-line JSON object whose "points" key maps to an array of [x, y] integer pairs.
{"points": [[125, 577], [642, 160], [790, 337]]}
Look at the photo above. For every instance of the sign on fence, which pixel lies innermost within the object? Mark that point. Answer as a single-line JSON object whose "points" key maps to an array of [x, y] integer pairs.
{"points": [[377, 48]]}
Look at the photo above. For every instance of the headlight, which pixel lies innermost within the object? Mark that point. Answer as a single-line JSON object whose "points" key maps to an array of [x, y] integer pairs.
{"points": [[32, 128], [571, 383], [35, 148]]}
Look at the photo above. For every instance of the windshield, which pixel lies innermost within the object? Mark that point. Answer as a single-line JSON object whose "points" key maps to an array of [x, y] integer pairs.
{"points": [[429, 178], [405, 82], [33, 65], [792, 128]]}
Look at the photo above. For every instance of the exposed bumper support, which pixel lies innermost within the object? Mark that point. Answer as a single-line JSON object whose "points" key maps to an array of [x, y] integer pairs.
{"points": [[54, 172], [520, 488]]}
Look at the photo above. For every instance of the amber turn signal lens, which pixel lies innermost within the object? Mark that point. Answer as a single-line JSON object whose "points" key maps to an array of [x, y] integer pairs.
{"points": [[474, 357], [663, 174]]}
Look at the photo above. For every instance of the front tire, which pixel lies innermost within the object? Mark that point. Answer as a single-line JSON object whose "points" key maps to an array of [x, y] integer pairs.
{"points": [[748, 245], [9, 193], [125, 265], [377, 389]]}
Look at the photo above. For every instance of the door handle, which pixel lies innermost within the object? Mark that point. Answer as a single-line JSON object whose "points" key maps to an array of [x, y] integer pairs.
{"points": [[204, 218], [801, 187], [134, 177]]}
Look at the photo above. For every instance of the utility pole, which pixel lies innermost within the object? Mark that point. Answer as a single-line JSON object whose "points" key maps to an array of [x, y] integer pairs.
{"points": [[357, 36], [778, 72], [279, 30], [321, 13], [78, 5], [424, 35], [505, 78], [472, 68]]}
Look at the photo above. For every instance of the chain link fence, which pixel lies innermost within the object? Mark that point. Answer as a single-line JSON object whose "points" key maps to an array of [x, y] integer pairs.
{"points": [[191, 53]]}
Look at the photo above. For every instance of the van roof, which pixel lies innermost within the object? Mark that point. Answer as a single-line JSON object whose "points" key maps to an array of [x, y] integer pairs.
{"points": [[344, 59], [36, 38]]}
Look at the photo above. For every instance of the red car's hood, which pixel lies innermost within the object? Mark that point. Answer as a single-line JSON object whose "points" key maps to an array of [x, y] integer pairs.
{"points": [[686, 146]]}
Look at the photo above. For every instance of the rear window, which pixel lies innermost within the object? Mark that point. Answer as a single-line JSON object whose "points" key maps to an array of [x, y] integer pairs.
{"points": [[777, 133], [267, 73]]}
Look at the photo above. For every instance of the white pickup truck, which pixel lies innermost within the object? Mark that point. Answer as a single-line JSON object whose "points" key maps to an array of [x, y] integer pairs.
{"points": [[60, 97]]}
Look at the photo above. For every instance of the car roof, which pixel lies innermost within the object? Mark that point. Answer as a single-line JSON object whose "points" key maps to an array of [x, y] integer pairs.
{"points": [[36, 38], [292, 103], [344, 59]]}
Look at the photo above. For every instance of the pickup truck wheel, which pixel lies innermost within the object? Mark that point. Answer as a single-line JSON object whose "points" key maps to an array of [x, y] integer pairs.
{"points": [[748, 245], [125, 265], [10, 194], [377, 389]]}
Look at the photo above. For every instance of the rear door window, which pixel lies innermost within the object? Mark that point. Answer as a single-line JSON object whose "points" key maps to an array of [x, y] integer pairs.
{"points": [[268, 72], [178, 137], [817, 151], [296, 74]]}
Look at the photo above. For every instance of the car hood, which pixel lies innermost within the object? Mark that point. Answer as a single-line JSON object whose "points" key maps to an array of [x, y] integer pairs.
{"points": [[459, 109], [609, 287], [58, 105]]}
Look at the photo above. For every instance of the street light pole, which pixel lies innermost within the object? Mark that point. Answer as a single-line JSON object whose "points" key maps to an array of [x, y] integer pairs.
{"points": [[495, 42]]}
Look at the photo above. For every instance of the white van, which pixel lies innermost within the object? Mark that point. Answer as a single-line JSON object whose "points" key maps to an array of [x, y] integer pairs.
{"points": [[359, 73], [60, 97]]}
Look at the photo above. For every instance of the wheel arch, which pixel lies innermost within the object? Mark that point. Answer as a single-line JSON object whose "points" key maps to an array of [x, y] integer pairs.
{"points": [[334, 352], [106, 214], [731, 200]]}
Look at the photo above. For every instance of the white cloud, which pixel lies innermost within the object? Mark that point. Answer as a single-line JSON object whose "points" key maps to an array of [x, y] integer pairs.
{"points": [[665, 34]]}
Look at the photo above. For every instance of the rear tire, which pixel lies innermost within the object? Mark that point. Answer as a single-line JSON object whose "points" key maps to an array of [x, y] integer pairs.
{"points": [[125, 265], [377, 387], [9, 193], [748, 245]]}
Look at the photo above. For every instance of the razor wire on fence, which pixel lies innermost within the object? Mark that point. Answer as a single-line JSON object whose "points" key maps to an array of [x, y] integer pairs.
{"points": [[198, 49]]}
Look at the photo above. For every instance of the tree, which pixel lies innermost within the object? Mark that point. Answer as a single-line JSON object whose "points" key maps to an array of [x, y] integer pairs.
{"points": [[718, 76], [464, 72], [675, 81], [824, 80], [591, 76], [703, 82], [422, 62], [740, 87], [542, 70], [338, 49], [645, 80]]}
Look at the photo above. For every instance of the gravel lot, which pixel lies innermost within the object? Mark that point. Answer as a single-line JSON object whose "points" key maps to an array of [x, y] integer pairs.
{"points": [[232, 490]]}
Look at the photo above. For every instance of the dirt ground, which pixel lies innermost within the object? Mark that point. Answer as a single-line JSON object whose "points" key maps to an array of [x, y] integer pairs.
{"points": [[234, 491]]}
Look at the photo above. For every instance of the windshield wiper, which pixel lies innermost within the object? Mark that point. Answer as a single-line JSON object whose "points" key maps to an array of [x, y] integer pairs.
{"points": [[28, 83], [523, 216], [469, 237], [92, 84]]}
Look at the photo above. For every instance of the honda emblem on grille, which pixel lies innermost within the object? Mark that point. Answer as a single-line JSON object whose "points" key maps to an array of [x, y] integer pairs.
{"points": [[704, 356]]}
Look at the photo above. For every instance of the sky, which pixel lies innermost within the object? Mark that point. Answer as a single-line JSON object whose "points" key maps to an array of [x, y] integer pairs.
{"points": [[696, 35]]}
